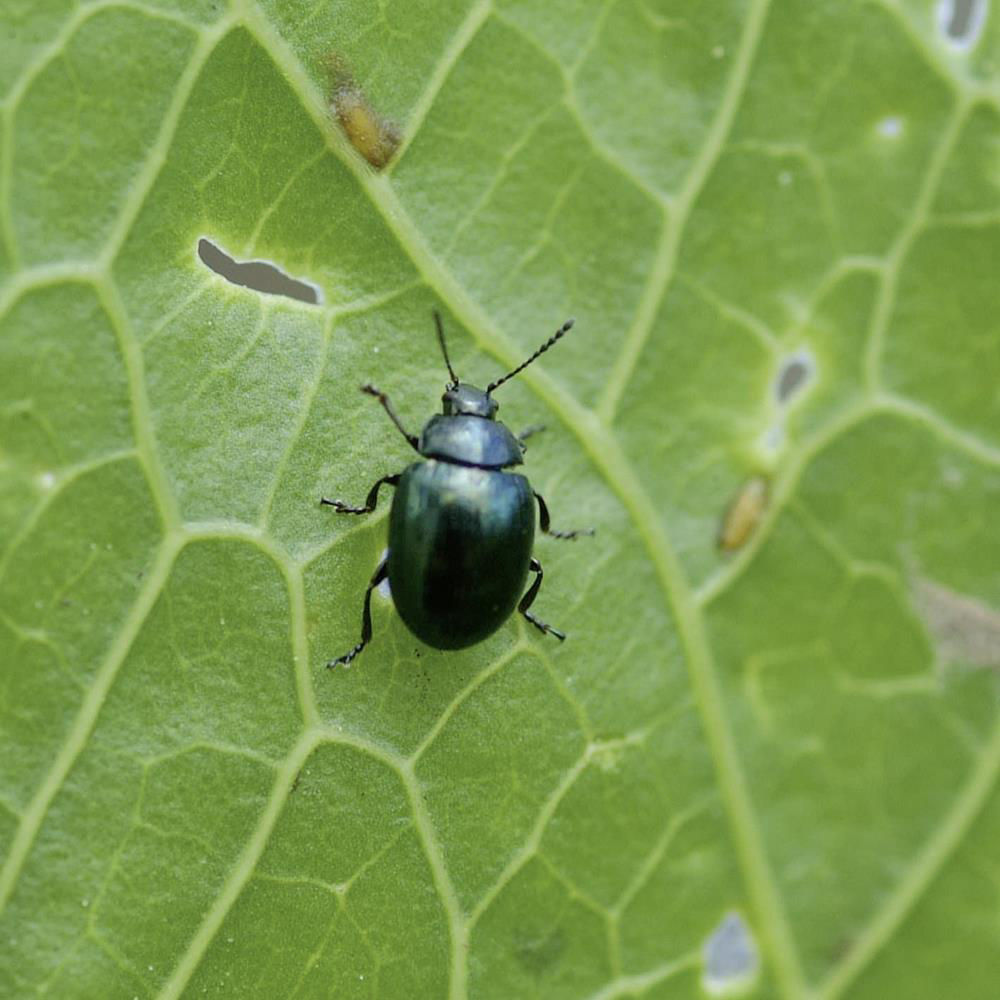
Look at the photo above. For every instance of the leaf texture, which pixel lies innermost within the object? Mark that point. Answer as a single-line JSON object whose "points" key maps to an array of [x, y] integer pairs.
{"points": [[792, 748]]}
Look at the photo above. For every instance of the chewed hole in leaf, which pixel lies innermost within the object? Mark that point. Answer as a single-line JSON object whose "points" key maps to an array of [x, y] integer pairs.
{"points": [[730, 957], [961, 21], [796, 372], [794, 375], [260, 275]]}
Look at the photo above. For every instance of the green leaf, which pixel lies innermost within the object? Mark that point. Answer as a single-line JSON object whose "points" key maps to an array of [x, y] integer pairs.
{"points": [[772, 770]]}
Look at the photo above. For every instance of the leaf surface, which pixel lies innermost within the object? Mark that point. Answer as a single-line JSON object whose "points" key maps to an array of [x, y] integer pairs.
{"points": [[774, 769]]}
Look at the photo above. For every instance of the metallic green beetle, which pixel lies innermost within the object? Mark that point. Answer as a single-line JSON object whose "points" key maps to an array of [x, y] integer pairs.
{"points": [[461, 527]]}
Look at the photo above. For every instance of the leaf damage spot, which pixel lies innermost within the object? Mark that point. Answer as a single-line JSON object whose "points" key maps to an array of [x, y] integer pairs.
{"points": [[375, 137], [961, 21], [773, 439], [743, 514], [963, 628], [795, 373], [730, 957], [890, 127], [260, 275], [541, 952]]}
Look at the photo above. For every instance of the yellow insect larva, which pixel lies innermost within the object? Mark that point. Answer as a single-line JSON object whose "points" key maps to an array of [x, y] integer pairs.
{"points": [[743, 514], [373, 136]]}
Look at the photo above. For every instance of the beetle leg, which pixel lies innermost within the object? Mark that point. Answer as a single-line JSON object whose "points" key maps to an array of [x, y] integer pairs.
{"points": [[370, 501], [527, 433], [387, 406], [381, 572], [543, 517], [528, 599]]}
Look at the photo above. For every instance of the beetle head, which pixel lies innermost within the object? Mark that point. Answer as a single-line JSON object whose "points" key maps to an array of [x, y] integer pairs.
{"points": [[462, 399]]}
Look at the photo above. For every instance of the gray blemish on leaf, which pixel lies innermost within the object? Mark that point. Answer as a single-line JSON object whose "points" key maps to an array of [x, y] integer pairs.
{"points": [[539, 953], [963, 628], [961, 21], [260, 275], [890, 127], [730, 957]]}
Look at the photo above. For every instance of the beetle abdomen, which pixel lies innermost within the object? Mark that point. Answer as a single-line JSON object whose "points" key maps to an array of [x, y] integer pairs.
{"points": [[460, 543]]}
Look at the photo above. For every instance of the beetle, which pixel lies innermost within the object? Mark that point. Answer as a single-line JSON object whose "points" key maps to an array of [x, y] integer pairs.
{"points": [[461, 526]]}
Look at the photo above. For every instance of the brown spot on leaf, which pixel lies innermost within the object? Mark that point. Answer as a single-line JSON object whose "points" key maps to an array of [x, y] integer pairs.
{"points": [[963, 628]]}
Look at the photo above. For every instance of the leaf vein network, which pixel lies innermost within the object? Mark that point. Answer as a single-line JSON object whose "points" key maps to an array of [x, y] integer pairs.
{"points": [[596, 438]]}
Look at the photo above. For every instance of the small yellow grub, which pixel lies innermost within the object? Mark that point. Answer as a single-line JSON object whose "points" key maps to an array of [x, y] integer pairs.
{"points": [[743, 514], [375, 138]]}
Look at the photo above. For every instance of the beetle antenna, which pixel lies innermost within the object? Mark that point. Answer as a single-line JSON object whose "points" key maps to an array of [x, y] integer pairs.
{"points": [[564, 329], [444, 349]]}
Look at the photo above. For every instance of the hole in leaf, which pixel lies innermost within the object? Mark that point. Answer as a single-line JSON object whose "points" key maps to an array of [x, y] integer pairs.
{"points": [[795, 372], [961, 21], [730, 957], [260, 275]]}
